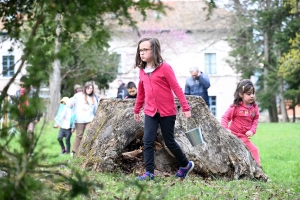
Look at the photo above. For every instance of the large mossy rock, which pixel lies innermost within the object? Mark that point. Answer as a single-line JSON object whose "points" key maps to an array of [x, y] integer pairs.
{"points": [[113, 143]]}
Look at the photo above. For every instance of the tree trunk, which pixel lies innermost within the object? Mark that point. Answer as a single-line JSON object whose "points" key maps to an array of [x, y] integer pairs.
{"points": [[54, 82], [273, 114], [285, 117], [294, 113], [272, 108], [114, 140]]}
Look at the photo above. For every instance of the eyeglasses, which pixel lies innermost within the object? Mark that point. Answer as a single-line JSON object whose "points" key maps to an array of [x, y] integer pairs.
{"points": [[21, 85], [143, 50]]}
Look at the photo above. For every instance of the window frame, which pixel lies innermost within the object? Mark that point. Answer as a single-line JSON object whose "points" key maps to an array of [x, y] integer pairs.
{"points": [[210, 63], [120, 66], [213, 105], [8, 70]]}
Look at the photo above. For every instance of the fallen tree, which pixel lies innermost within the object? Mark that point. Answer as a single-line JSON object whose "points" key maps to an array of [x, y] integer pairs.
{"points": [[113, 143]]}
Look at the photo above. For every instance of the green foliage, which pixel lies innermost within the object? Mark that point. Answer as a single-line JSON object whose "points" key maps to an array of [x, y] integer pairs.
{"points": [[37, 23], [259, 36], [290, 70], [38, 27], [290, 61], [88, 62], [246, 50]]}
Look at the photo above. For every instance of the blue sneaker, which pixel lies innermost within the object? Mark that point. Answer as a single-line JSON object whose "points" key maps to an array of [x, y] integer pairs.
{"points": [[184, 172], [146, 176]]}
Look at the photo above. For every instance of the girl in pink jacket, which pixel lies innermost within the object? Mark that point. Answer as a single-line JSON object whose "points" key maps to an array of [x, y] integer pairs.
{"points": [[243, 116], [155, 93]]}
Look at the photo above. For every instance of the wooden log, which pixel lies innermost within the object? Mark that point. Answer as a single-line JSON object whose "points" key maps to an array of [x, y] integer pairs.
{"points": [[113, 132]]}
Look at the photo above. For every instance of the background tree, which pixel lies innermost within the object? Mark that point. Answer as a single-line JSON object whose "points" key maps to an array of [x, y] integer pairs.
{"points": [[290, 71], [258, 41], [88, 62], [61, 22], [46, 29]]}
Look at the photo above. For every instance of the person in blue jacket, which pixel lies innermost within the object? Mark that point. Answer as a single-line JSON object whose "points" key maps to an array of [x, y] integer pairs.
{"points": [[197, 84], [65, 119]]}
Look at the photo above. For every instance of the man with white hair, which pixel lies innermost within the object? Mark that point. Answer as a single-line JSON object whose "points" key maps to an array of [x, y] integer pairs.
{"points": [[197, 84]]}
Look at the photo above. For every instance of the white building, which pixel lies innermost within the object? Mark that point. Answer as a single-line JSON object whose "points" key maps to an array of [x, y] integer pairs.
{"points": [[10, 59], [10, 62], [187, 39]]}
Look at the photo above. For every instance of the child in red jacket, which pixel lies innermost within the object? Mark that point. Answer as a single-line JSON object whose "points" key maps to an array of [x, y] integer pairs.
{"points": [[156, 86], [243, 116]]}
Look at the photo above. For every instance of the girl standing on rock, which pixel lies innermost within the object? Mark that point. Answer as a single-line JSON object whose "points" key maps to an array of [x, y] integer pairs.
{"points": [[156, 86]]}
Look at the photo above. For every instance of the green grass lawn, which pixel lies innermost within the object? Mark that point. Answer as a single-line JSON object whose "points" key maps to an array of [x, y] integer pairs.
{"points": [[279, 147]]}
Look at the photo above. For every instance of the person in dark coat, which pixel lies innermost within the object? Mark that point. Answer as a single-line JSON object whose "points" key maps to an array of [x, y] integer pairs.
{"points": [[122, 91], [197, 84]]}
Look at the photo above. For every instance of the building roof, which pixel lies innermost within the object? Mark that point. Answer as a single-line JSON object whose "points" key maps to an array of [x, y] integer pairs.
{"points": [[188, 15]]}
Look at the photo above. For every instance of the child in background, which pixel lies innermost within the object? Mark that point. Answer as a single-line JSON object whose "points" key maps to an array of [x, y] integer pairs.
{"points": [[132, 90], [243, 116], [65, 118], [156, 86], [85, 107], [77, 88]]}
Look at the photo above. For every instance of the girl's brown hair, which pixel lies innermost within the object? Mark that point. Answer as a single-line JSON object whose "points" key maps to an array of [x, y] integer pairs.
{"points": [[87, 85], [244, 86], [156, 53]]}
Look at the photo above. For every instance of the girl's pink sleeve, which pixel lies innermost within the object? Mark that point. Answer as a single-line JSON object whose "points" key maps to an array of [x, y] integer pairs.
{"points": [[255, 121], [171, 79], [140, 99], [227, 117]]}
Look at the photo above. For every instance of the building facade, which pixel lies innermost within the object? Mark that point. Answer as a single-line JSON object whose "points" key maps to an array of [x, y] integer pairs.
{"points": [[10, 55], [187, 39]]}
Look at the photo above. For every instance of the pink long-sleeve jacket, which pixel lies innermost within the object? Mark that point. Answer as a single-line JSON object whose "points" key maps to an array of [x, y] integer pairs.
{"points": [[242, 118], [155, 92]]}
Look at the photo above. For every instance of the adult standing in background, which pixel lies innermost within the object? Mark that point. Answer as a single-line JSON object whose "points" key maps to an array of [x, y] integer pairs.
{"points": [[85, 106], [197, 84], [27, 119], [122, 91]]}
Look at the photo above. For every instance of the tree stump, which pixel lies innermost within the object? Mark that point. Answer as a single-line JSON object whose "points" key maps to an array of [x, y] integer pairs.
{"points": [[114, 143]]}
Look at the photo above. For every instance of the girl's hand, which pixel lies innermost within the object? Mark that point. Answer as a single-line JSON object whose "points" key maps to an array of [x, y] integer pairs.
{"points": [[137, 117], [249, 133], [187, 114]]}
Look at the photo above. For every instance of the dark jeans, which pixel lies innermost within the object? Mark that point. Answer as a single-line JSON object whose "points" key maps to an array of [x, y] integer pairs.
{"points": [[167, 128], [67, 134]]}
